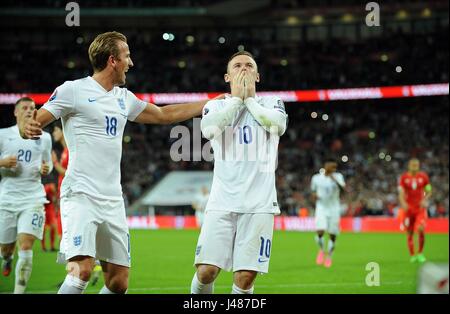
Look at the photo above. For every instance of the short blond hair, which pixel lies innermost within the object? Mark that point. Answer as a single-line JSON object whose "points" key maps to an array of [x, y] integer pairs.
{"points": [[103, 46], [240, 53]]}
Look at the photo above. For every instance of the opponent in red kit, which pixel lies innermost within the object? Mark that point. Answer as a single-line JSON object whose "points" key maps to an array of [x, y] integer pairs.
{"points": [[414, 192], [50, 216], [60, 165]]}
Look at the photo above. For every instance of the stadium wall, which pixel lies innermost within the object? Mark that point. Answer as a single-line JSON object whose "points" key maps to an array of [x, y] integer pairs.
{"points": [[289, 223]]}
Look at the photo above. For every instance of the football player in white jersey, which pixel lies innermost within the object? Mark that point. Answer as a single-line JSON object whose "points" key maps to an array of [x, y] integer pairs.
{"points": [[22, 195], [326, 187], [94, 111], [199, 205], [244, 130]]}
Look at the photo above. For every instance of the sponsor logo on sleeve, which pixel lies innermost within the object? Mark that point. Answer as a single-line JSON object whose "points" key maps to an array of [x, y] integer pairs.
{"points": [[53, 96], [280, 106]]}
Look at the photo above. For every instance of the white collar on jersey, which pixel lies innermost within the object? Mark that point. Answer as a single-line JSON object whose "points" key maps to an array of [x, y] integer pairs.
{"points": [[90, 78]]}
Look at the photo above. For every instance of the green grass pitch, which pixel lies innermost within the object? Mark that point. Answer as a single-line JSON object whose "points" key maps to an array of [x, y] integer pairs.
{"points": [[162, 263]]}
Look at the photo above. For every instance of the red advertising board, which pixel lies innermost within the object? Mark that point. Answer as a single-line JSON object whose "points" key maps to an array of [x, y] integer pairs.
{"points": [[288, 223]]}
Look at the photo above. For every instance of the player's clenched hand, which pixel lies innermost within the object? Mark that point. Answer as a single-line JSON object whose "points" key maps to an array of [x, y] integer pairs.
{"points": [[29, 128], [44, 168], [237, 85], [9, 162]]}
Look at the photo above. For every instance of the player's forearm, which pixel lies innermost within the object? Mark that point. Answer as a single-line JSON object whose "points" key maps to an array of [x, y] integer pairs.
{"points": [[272, 120], [402, 201], [214, 123], [60, 169], [32, 127], [181, 112]]}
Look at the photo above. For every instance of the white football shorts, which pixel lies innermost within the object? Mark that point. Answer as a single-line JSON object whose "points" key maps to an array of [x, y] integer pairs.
{"points": [[235, 241], [29, 220], [94, 227], [330, 224]]}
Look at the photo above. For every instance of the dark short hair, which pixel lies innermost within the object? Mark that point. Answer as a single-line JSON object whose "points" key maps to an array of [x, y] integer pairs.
{"points": [[23, 99], [240, 53]]}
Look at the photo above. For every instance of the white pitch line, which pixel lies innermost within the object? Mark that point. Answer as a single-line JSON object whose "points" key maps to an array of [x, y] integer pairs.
{"points": [[293, 285]]}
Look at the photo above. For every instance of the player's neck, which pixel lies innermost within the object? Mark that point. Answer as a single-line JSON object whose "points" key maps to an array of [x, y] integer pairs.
{"points": [[413, 173], [104, 79]]}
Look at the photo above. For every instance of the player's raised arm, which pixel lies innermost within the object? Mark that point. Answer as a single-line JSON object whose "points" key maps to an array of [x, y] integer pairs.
{"points": [[153, 114], [339, 180], [215, 118], [47, 163], [169, 114], [31, 127], [401, 198], [60, 103], [272, 119]]}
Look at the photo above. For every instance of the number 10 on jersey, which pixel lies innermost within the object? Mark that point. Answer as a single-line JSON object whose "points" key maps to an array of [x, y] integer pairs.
{"points": [[245, 134], [111, 126]]}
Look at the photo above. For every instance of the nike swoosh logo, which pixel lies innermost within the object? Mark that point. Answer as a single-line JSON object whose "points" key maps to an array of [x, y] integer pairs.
{"points": [[91, 99], [262, 260]]}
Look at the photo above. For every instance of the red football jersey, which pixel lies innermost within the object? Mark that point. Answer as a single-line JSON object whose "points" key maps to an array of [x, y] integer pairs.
{"points": [[49, 193], [64, 161], [414, 187]]}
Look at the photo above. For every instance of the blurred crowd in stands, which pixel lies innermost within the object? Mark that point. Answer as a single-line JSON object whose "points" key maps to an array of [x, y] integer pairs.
{"points": [[195, 60], [377, 137]]}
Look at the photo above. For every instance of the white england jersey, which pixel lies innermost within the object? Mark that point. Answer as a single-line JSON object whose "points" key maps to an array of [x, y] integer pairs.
{"points": [[93, 121], [22, 185], [328, 193], [245, 157]]}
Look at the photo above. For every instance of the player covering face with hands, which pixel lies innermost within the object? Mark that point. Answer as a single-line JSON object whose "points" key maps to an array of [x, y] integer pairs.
{"points": [[238, 225]]}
